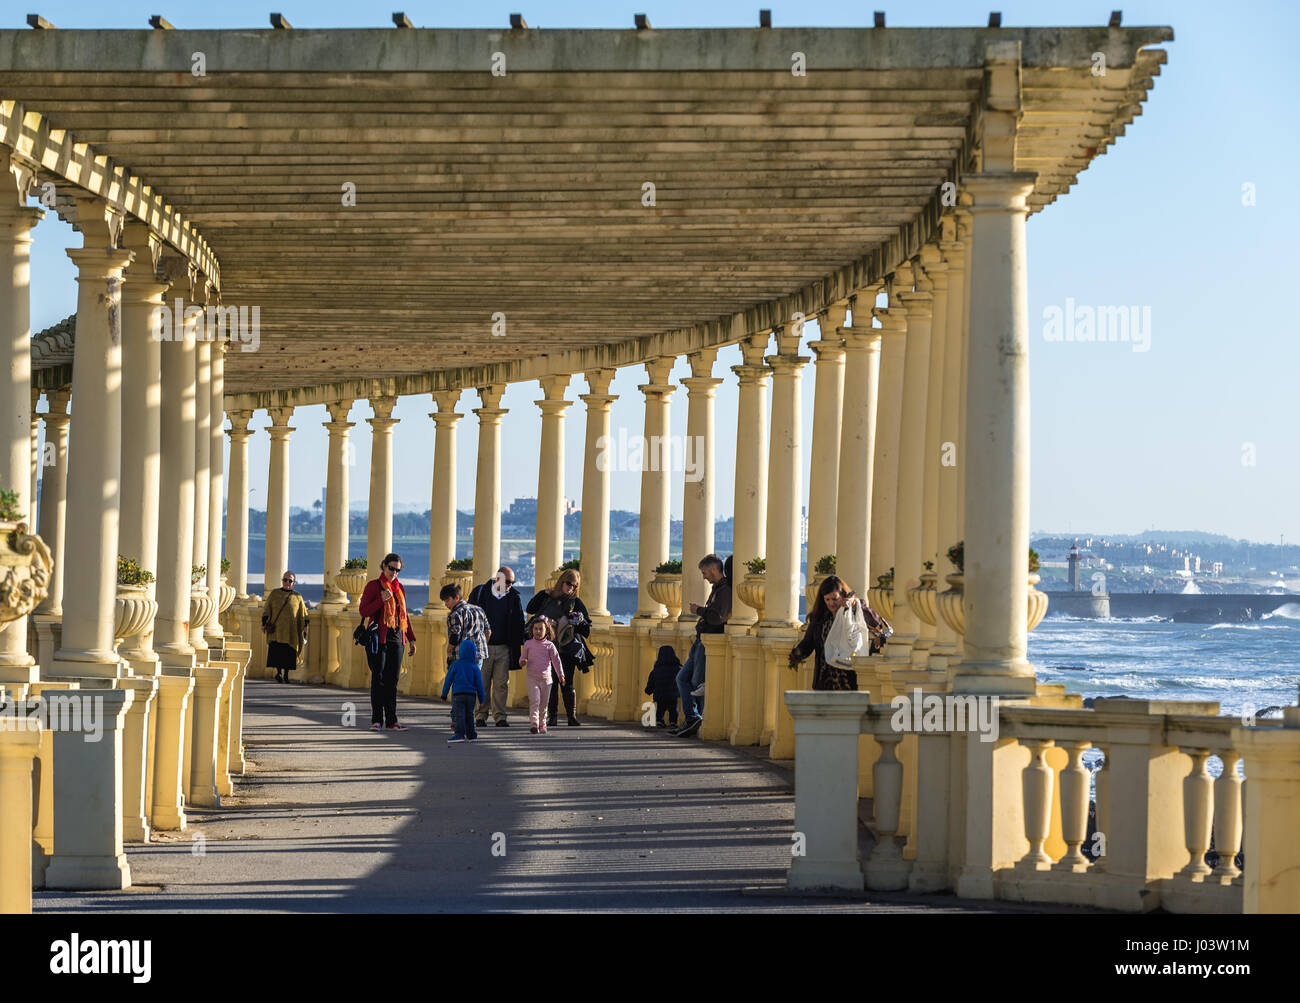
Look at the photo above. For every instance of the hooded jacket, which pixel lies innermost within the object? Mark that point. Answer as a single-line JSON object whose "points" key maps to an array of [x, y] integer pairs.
{"points": [[662, 684], [463, 675]]}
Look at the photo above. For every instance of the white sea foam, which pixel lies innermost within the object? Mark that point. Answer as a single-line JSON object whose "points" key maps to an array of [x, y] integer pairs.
{"points": [[1289, 611]]}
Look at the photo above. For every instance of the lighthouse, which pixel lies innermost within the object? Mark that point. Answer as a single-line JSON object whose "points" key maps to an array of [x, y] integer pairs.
{"points": [[1074, 567]]}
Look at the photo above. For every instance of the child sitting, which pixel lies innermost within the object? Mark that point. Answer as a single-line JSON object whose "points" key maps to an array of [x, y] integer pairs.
{"points": [[539, 657], [662, 685], [465, 682]]}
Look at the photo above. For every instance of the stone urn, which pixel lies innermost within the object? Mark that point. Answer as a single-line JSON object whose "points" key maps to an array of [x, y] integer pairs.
{"points": [[227, 596], [203, 607], [881, 599], [950, 607], [351, 580], [133, 611], [25, 566], [950, 604], [465, 579], [810, 592], [1037, 603], [666, 587], [752, 590], [922, 599]]}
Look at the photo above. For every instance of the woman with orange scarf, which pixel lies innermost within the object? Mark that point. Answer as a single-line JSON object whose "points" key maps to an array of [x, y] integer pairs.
{"points": [[384, 602]]}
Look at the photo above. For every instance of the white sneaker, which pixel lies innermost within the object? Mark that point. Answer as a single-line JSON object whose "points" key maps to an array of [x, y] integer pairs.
{"points": [[698, 691], [452, 741]]}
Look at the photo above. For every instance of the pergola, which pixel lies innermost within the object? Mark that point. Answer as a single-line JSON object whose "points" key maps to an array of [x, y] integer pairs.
{"points": [[416, 211]]}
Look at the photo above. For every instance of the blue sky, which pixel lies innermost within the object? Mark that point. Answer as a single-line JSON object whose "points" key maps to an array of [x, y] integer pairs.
{"points": [[1121, 440]]}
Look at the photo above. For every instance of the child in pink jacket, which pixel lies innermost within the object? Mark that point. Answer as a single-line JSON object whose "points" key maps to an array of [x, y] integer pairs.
{"points": [[538, 658]]}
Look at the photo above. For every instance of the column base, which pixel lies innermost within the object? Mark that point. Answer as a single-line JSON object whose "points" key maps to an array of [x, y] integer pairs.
{"points": [[841, 875], [88, 873], [21, 674], [86, 665]]}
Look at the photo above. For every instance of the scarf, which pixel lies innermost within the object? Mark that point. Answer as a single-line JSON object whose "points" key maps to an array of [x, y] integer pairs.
{"points": [[395, 610]]}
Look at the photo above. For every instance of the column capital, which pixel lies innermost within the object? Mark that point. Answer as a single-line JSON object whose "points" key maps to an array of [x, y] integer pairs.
{"points": [[239, 422], [553, 408], [554, 387], [833, 316], [99, 222], [662, 391], [788, 337], [752, 375], [446, 400], [754, 348], [701, 362], [490, 398], [598, 402], [829, 349], [999, 191], [701, 387], [444, 420], [787, 365], [97, 264], [858, 338], [338, 411], [280, 417], [954, 252], [383, 408], [339, 427], [657, 370], [598, 381]]}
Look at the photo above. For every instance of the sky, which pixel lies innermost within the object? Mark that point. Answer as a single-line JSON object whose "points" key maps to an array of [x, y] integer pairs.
{"points": [[1197, 432]]}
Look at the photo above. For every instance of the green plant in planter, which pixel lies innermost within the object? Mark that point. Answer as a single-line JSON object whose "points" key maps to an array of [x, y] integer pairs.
{"points": [[9, 508], [669, 568], [929, 565], [885, 581], [825, 565], [461, 564], [957, 556], [225, 565], [197, 573], [757, 565], [1033, 561], [129, 572], [355, 564], [568, 566]]}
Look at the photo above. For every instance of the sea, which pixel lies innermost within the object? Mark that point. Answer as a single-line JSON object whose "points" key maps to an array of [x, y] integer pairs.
{"points": [[1246, 667]]}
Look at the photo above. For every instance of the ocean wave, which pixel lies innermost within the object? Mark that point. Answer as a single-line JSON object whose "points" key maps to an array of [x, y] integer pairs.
{"points": [[1288, 611], [1067, 618]]}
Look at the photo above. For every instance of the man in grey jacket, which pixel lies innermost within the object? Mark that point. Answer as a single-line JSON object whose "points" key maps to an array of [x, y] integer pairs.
{"points": [[713, 618]]}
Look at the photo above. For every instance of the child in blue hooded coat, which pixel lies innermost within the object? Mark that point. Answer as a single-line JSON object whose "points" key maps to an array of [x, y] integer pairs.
{"points": [[466, 683]]}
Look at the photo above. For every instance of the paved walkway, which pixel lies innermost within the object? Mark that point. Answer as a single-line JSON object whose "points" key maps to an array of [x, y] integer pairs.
{"points": [[603, 817]]}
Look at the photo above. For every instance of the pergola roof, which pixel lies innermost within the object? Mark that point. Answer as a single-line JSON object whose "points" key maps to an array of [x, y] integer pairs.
{"points": [[522, 194]]}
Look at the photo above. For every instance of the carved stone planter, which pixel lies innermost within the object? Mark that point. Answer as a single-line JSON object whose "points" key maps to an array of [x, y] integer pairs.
{"points": [[133, 611], [203, 607], [666, 588], [1037, 603], [227, 596], [351, 580], [950, 604], [881, 599], [465, 579], [922, 599], [752, 590], [25, 566]]}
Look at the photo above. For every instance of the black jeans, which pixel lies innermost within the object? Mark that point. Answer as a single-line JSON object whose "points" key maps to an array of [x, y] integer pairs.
{"points": [[385, 667], [553, 705]]}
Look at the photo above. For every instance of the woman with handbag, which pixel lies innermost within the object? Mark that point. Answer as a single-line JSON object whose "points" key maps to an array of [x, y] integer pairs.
{"points": [[284, 622], [567, 612], [833, 595]]}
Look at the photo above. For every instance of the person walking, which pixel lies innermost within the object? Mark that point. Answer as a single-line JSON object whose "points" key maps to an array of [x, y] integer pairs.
{"points": [[383, 601], [499, 600], [284, 622], [833, 594], [572, 625], [538, 658], [466, 683]]}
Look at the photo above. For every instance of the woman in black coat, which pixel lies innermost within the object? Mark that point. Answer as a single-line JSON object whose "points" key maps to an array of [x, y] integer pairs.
{"points": [[562, 606], [831, 595]]}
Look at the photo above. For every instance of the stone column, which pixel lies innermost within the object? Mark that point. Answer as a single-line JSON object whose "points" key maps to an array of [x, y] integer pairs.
{"points": [[906, 645], [487, 487], [379, 531], [784, 484], [652, 544], [550, 478], [442, 522], [997, 461], [749, 525], [16, 222], [53, 500], [698, 479], [33, 453], [202, 481], [237, 502], [95, 454], [951, 455], [594, 542], [142, 302], [216, 490], [828, 407], [336, 499], [277, 500], [940, 637], [884, 479], [17, 751], [858, 447]]}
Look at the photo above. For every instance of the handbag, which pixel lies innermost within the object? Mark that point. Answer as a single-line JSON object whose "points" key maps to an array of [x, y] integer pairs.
{"points": [[847, 635], [268, 628]]}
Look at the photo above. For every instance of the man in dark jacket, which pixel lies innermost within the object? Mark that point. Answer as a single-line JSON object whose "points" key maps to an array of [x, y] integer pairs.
{"points": [[713, 618], [499, 600]]}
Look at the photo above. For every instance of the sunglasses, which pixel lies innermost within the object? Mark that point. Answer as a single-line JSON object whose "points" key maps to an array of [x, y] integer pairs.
{"points": [[566, 585], [393, 569], [289, 580]]}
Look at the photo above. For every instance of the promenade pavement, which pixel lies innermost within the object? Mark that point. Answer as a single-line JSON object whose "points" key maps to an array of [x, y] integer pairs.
{"points": [[332, 817]]}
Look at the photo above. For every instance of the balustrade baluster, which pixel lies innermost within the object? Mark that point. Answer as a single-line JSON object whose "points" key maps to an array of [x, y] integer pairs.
{"points": [[1074, 809], [1227, 818], [1197, 818]]}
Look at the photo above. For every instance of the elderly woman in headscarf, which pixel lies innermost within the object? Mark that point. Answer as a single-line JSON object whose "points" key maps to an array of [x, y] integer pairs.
{"points": [[284, 622]]}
